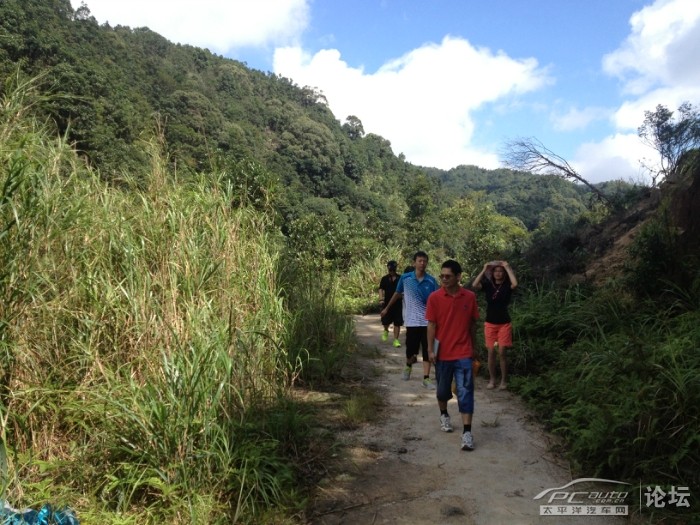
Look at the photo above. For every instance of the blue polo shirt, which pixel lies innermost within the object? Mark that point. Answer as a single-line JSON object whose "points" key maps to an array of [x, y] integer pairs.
{"points": [[415, 297]]}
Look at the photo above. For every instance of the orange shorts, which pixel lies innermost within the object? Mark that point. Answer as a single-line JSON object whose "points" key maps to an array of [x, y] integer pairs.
{"points": [[498, 333]]}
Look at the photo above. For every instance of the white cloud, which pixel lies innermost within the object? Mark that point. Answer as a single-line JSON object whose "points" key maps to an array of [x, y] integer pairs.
{"points": [[662, 48], [214, 24], [657, 64], [630, 114], [617, 157], [576, 118], [423, 101], [426, 101]]}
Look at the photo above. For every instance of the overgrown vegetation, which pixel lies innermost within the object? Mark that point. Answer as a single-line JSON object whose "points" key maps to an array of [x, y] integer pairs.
{"points": [[671, 137], [148, 347], [329, 181], [171, 289], [615, 370]]}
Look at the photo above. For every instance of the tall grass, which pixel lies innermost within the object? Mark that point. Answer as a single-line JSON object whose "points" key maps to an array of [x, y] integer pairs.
{"points": [[147, 349], [618, 377], [358, 287], [318, 338]]}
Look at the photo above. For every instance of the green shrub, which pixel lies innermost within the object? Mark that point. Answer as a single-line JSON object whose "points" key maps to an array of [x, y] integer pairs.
{"points": [[148, 354], [623, 388]]}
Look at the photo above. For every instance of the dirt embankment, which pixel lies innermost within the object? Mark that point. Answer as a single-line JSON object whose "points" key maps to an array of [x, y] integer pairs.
{"points": [[676, 200]]}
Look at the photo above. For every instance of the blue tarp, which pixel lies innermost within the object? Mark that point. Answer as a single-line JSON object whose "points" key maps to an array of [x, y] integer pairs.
{"points": [[46, 515]]}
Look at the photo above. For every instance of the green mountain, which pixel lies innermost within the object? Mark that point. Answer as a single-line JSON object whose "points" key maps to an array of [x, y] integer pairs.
{"points": [[165, 313], [114, 88], [532, 198]]}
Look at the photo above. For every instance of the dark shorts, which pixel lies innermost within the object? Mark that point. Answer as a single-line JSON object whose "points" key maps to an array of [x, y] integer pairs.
{"points": [[416, 338], [461, 370], [394, 316]]}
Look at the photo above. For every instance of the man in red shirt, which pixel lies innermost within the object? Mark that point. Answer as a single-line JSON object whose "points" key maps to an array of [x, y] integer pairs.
{"points": [[452, 313]]}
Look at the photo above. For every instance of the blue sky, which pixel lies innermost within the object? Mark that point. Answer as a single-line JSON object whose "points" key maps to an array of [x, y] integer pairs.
{"points": [[450, 82]]}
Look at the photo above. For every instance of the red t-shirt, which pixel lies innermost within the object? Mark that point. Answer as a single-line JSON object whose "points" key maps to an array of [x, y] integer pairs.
{"points": [[453, 315]]}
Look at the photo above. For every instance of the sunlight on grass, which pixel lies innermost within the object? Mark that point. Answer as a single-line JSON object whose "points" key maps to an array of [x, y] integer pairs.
{"points": [[363, 407], [147, 348]]}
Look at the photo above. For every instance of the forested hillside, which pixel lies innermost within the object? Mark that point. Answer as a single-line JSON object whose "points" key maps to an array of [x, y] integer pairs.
{"points": [[182, 237], [533, 199], [114, 87]]}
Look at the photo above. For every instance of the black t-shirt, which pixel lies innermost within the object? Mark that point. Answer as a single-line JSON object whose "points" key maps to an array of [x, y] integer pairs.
{"points": [[497, 299], [389, 287]]}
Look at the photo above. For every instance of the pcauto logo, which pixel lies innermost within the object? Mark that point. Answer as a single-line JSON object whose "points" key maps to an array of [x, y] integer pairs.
{"points": [[580, 497], [583, 496]]}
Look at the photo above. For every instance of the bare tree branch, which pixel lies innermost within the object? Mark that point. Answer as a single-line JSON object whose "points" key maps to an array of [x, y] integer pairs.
{"points": [[529, 154]]}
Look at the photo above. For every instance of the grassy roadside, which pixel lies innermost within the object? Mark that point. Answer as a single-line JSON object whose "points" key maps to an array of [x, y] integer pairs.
{"points": [[166, 355], [348, 403], [154, 342], [618, 378]]}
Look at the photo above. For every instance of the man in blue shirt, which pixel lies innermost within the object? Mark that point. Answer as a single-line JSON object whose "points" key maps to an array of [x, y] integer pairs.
{"points": [[414, 288]]}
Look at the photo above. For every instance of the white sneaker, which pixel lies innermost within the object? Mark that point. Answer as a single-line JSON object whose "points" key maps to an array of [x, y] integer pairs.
{"points": [[467, 441], [445, 424]]}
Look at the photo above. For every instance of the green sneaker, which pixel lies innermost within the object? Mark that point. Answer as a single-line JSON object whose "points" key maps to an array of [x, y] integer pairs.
{"points": [[427, 383], [385, 336], [407, 373], [397, 343]]}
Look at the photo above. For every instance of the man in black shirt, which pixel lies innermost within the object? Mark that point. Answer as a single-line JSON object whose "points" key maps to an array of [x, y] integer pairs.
{"points": [[387, 287]]}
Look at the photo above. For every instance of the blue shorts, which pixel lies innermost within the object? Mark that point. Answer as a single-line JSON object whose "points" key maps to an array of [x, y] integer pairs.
{"points": [[461, 370]]}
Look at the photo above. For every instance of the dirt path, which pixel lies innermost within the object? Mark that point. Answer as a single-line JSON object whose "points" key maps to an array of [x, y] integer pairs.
{"points": [[404, 470]]}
